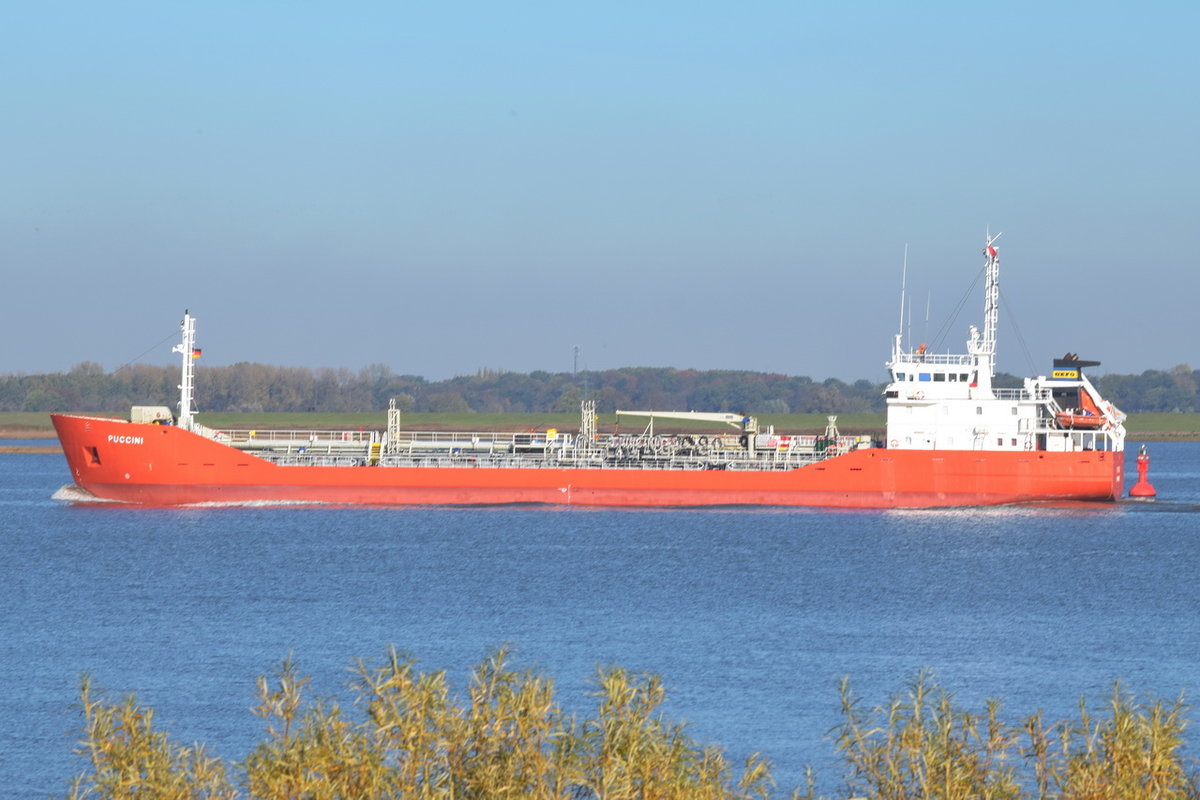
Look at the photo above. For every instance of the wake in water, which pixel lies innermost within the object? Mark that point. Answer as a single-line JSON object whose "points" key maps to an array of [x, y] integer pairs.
{"points": [[1155, 504], [72, 493], [254, 504]]}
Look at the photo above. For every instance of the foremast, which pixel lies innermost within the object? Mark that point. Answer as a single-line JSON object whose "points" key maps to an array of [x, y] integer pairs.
{"points": [[187, 349]]}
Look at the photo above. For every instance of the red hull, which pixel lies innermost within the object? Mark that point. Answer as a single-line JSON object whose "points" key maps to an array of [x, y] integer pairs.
{"points": [[164, 465]]}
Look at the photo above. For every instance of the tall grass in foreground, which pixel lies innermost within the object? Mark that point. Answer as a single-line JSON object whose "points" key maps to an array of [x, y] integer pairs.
{"points": [[920, 745], [409, 736]]}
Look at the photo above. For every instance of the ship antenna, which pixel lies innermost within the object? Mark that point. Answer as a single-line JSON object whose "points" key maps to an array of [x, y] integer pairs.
{"points": [[903, 287], [187, 348], [910, 339], [928, 305]]}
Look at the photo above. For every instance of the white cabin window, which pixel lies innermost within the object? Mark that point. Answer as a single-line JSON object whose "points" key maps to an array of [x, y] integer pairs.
{"points": [[899, 376], [1014, 413], [999, 442], [979, 410]]}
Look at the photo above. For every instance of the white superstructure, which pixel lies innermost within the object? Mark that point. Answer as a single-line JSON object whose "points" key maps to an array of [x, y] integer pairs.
{"points": [[946, 401]]}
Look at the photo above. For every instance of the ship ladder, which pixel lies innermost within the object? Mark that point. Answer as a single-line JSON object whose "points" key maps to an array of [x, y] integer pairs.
{"points": [[373, 455]]}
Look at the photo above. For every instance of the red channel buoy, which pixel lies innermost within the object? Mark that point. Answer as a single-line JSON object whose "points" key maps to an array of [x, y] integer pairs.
{"points": [[1142, 489]]}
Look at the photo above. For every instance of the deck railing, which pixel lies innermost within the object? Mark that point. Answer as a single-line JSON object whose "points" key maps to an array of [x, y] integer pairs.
{"points": [[536, 449], [912, 357], [297, 440]]}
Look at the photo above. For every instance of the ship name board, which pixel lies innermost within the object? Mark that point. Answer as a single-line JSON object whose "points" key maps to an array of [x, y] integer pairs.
{"points": [[118, 439], [1066, 374]]}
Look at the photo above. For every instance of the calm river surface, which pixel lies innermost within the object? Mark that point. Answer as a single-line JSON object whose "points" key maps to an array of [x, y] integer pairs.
{"points": [[751, 617]]}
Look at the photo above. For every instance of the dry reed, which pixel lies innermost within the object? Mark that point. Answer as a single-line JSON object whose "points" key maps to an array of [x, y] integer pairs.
{"points": [[407, 735]]}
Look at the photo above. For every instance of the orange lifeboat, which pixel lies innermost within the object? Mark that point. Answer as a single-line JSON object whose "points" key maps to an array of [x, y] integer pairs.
{"points": [[1079, 418]]}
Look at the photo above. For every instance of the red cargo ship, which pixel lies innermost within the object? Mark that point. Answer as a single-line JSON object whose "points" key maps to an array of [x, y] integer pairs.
{"points": [[952, 440]]}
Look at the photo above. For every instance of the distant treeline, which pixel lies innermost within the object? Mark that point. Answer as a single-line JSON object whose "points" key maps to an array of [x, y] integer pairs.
{"points": [[253, 388]]}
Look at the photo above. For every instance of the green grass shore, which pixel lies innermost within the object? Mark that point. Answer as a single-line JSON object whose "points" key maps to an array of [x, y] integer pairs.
{"points": [[35, 425]]}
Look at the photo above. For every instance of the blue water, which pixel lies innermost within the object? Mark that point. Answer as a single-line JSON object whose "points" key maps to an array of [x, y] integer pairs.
{"points": [[751, 617]]}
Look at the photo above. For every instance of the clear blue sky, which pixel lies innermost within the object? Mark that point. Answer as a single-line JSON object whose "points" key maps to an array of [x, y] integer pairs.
{"points": [[443, 187]]}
